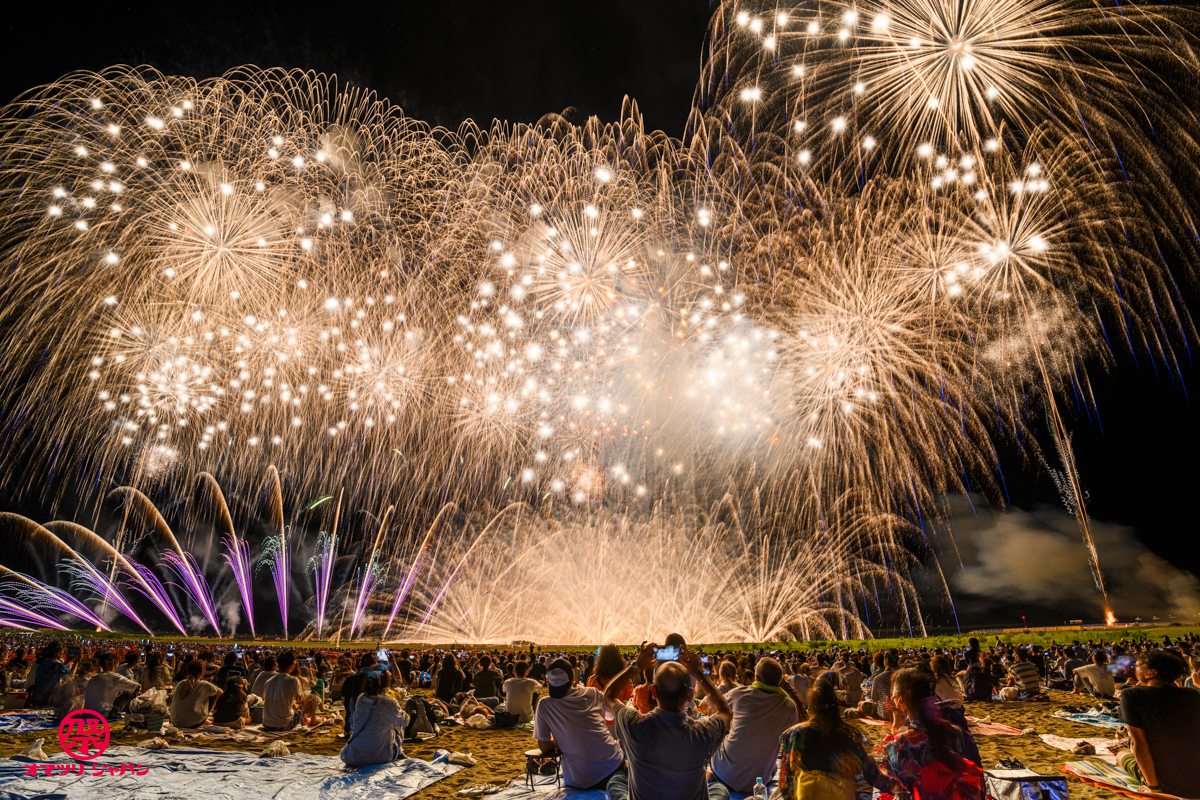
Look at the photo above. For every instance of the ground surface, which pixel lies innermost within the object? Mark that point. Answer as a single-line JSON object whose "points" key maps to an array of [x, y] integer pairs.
{"points": [[500, 753]]}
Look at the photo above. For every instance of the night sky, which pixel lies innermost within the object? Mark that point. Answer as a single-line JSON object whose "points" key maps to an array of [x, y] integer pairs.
{"points": [[519, 59]]}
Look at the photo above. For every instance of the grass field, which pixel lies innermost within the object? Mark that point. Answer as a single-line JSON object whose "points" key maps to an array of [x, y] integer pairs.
{"points": [[1030, 636]]}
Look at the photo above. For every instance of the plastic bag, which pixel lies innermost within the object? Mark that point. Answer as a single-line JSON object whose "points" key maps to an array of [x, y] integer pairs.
{"points": [[479, 722], [276, 750], [154, 744], [153, 700], [35, 751]]}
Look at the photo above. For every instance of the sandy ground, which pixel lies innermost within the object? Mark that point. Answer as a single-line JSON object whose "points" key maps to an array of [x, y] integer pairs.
{"points": [[501, 753]]}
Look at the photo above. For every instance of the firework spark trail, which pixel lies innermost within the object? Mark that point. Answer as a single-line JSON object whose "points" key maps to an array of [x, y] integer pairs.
{"points": [[146, 583], [18, 615], [143, 580], [193, 584], [321, 566], [841, 282], [237, 556]]}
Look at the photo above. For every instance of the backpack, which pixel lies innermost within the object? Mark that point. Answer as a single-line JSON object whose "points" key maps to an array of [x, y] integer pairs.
{"points": [[503, 719], [421, 716]]}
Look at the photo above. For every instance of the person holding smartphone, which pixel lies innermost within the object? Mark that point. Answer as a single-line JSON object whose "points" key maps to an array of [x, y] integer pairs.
{"points": [[666, 749]]}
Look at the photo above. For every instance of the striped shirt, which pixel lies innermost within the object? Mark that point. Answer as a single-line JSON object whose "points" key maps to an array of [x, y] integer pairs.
{"points": [[1026, 676]]}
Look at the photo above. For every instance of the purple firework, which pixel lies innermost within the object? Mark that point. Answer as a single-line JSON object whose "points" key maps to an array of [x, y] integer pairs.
{"points": [[321, 565], [84, 573], [237, 555], [147, 584], [40, 595], [277, 555], [186, 569]]}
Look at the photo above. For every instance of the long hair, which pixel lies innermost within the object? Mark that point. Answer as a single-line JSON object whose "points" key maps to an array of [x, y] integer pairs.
{"points": [[941, 668], [915, 686], [610, 663], [825, 718]]}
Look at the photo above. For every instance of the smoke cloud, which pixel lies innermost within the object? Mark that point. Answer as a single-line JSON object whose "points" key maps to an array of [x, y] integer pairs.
{"points": [[1038, 558], [233, 615]]}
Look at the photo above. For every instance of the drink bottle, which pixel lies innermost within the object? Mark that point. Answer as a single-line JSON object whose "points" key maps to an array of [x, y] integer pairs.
{"points": [[760, 789]]}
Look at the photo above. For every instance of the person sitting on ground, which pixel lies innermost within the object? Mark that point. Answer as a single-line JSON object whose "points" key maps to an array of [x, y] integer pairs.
{"points": [[1094, 678], [1164, 726], [47, 673], [377, 736], [230, 668], [947, 686], [519, 692], [1192, 681], [643, 693], [570, 720], [155, 674], [269, 666], [727, 674], [232, 709], [487, 682], [666, 748], [825, 746], [930, 757], [189, 703], [1023, 674], [449, 679], [352, 687], [129, 668], [852, 678], [761, 712], [608, 666], [285, 704], [881, 687], [981, 682], [68, 695], [105, 686]]}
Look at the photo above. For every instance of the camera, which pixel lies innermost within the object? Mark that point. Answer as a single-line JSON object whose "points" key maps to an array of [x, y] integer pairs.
{"points": [[669, 653]]}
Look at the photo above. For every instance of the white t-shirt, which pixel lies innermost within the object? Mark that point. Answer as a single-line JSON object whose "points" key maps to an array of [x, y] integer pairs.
{"points": [[750, 749], [1098, 674], [518, 693], [260, 682], [103, 688], [575, 722], [190, 709], [278, 695], [948, 689]]}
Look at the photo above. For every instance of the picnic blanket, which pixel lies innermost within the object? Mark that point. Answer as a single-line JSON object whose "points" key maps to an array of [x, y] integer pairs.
{"points": [[1109, 777], [25, 722], [545, 788], [1091, 717], [978, 727], [188, 773], [1102, 746], [981, 728], [250, 733]]}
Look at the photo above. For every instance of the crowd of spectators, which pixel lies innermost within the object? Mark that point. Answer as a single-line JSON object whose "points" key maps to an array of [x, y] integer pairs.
{"points": [[670, 722]]}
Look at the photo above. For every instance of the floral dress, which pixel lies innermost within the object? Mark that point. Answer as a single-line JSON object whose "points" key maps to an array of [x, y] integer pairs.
{"points": [[910, 759], [802, 753]]}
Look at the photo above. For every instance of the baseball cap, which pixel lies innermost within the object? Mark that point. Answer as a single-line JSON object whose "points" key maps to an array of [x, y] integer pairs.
{"points": [[559, 677]]}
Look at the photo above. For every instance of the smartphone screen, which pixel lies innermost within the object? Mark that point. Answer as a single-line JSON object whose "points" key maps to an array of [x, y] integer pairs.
{"points": [[670, 653], [704, 659], [381, 655]]}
